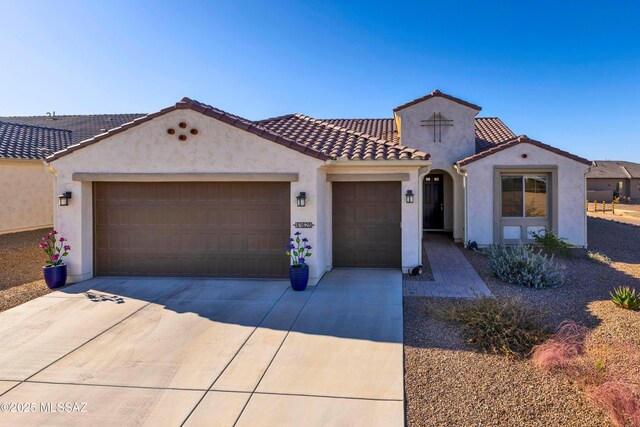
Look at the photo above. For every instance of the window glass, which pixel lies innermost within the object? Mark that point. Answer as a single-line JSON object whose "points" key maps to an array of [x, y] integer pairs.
{"points": [[535, 196], [511, 196]]}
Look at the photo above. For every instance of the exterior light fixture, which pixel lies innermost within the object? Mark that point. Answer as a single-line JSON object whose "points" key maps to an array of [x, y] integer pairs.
{"points": [[301, 199], [409, 196], [64, 198]]}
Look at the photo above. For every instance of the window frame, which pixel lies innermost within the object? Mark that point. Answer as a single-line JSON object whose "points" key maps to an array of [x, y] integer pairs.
{"points": [[523, 177]]}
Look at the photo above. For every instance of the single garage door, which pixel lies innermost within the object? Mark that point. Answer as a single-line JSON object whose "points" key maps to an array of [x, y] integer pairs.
{"points": [[366, 224], [213, 229]]}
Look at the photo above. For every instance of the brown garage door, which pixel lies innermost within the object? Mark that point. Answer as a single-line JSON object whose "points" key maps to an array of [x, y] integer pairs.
{"points": [[366, 224], [216, 229]]}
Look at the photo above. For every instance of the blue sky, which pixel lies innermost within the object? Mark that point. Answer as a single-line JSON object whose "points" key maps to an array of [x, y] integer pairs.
{"points": [[564, 72]]}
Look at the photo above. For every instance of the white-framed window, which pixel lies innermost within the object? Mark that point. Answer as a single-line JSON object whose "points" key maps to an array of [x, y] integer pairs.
{"points": [[524, 196]]}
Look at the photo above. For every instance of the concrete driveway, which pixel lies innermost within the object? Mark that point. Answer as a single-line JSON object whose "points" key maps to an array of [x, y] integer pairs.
{"points": [[207, 352]]}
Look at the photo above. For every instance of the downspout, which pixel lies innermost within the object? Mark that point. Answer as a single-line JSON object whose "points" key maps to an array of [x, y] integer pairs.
{"points": [[466, 206]]}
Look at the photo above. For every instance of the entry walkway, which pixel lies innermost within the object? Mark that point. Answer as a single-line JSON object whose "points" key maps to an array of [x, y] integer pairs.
{"points": [[453, 276]]}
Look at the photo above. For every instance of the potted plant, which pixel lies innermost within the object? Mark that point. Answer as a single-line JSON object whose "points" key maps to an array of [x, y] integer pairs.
{"points": [[55, 271], [298, 251]]}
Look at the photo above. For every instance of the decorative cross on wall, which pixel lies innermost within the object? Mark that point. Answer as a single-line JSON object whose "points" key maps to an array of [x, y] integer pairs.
{"points": [[437, 121]]}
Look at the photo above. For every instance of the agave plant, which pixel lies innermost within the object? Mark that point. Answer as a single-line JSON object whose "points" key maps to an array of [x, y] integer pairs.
{"points": [[625, 297]]}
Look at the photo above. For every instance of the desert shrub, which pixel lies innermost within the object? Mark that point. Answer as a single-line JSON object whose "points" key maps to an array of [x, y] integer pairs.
{"points": [[560, 351], [505, 327], [521, 265], [552, 243], [625, 297], [599, 257], [621, 399]]}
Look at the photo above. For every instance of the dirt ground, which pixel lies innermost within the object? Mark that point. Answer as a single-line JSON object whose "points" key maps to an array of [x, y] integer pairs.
{"points": [[21, 262], [449, 384]]}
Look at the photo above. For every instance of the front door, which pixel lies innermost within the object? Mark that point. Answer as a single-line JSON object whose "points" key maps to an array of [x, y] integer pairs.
{"points": [[433, 212]]}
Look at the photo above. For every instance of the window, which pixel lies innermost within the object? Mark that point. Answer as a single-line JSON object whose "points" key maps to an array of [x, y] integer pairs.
{"points": [[524, 195]]}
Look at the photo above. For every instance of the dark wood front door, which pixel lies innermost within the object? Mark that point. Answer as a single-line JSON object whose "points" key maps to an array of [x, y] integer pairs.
{"points": [[433, 211], [213, 229], [366, 224]]}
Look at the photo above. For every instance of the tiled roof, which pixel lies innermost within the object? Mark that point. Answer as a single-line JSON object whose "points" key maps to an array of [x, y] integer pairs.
{"points": [[523, 139], [441, 95], [207, 110], [338, 141], [81, 126], [491, 131], [614, 169], [18, 141]]}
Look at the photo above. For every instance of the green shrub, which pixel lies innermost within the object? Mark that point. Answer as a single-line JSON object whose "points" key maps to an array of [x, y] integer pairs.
{"points": [[597, 256], [504, 327], [625, 297], [552, 243], [520, 265]]}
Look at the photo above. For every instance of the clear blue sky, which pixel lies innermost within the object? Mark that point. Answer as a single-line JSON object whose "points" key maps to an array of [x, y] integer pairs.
{"points": [[564, 72]]}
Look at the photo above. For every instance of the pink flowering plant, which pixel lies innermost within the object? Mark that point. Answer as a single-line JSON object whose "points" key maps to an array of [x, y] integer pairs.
{"points": [[55, 248], [298, 250]]}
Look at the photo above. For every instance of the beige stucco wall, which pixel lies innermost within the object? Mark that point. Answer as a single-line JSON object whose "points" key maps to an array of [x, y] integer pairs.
{"points": [[26, 192], [147, 148], [603, 188], [571, 188], [458, 142]]}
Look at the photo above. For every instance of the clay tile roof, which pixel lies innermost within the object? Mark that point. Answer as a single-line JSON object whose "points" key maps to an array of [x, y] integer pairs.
{"points": [[440, 94], [19, 141], [336, 140], [614, 169], [208, 110], [491, 131], [523, 139]]}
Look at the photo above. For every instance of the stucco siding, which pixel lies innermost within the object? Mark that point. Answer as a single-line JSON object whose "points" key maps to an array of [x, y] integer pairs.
{"points": [[570, 187], [147, 148], [26, 191]]}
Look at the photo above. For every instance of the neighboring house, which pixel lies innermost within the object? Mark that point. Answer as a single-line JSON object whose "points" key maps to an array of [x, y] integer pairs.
{"points": [[27, 200], [613, 176], [194, 191]]}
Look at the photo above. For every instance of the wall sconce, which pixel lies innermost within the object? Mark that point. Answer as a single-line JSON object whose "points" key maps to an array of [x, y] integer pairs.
{"points": [[64, 198], [409, 196], [301, 199]]}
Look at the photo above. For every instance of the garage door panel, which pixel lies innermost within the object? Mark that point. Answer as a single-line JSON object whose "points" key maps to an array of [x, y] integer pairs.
{"points": [[366, 224], [192, 229]]}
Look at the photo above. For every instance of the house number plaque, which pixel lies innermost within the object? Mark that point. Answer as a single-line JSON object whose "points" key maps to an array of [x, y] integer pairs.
{"points": [[303, 224]]}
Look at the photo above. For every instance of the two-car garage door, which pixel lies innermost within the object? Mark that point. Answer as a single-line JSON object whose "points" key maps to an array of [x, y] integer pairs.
{"points": [[214, 229]]}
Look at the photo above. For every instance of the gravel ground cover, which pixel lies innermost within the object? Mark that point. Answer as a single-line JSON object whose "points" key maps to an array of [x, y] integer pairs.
{"points": [[21, 262], [447, 383]]}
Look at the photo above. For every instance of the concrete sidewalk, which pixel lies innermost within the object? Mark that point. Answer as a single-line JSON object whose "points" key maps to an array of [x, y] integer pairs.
{"points": [[208, 352]]}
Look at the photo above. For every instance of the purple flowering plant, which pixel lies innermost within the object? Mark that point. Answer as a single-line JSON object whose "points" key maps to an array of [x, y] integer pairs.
{"points": [[298, 250], [55, 248]]}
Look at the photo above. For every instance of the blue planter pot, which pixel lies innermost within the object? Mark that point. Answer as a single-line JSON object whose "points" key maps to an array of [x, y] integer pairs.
{"points": [[55, 276], [299, 277]]}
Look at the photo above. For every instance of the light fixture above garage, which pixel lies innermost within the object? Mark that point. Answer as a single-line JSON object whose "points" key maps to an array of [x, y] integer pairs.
{"points": [[301, 199], [409, 196], [64, 198]]}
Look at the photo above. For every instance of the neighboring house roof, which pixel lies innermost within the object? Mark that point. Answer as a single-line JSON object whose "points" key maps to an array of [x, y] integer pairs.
{"points": [[19, 141], [614, 169], [207, 110], [523, 139], [81, 126], [338, 141], [440, 94]]}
